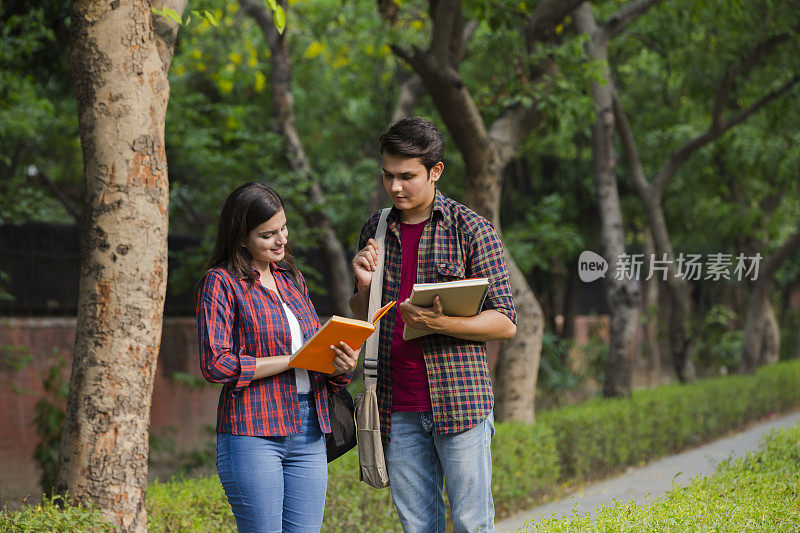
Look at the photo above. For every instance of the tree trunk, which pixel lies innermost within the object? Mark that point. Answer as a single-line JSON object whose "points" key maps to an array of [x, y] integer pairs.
{"points": [[410, 91], [771, 338], [653, 356], [122, 91], [339, 276], [621, 296], [755, 326], [761, 343], [518, 362]]}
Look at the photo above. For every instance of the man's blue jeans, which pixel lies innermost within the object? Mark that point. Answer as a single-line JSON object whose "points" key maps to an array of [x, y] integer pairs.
{"points": [[276, 483], [417, 461]]}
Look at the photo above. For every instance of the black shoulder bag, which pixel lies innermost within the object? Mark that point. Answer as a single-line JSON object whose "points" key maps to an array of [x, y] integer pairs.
{"points": [[342, 437]]}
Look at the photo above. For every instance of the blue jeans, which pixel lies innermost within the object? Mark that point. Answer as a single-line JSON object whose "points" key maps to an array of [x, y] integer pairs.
{"points": [[276, 484], [417, 461]]}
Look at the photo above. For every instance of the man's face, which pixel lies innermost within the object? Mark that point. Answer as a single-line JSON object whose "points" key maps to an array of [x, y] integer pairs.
{"points": [[408, 182]]}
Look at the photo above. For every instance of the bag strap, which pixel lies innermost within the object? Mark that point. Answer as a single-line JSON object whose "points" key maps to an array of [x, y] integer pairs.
{"points": [[375, 293]]}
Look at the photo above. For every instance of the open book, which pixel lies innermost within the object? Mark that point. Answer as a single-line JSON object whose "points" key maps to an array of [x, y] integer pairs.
{"points": [[316, 353], [463, 297]]}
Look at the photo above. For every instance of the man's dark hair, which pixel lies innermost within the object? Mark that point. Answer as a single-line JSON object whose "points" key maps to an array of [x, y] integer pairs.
{"points": [[414, 137]]}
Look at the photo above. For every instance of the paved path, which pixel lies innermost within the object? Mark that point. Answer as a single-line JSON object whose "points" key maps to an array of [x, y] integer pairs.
{"points": [[647, 483]]}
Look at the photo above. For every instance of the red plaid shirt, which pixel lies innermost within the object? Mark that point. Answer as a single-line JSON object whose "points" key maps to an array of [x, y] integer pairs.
{"points": [[456, 244], [239, 321]]}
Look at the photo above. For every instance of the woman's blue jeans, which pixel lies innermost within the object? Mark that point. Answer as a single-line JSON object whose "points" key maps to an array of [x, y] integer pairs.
{"points": [[276, 484]]}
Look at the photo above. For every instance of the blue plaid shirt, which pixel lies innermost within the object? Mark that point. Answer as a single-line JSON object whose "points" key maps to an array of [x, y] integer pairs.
{"points": [[457, 243], [239, 321]]}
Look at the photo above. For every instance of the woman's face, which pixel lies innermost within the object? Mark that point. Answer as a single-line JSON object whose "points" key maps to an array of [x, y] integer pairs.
{"points": [[267, 242]]}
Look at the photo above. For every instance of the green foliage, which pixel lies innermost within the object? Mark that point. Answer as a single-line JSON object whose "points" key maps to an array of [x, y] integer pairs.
{"points": [[189, 381], [13, 358], [544, 234], [719, 344], [53, 516], [567, 445], [48, 418], [564, 366], [38, 121], [758, 492], [603, 436], [191, 505], [164, 454], [351, 505], [524, 465]]}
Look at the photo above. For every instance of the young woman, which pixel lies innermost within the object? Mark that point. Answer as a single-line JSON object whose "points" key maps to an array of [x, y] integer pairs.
{"points": [[253, 312]]}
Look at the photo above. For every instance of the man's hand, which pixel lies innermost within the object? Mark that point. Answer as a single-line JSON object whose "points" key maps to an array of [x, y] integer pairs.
{"points": [[364, 264], [425, 318], [346, 358]]}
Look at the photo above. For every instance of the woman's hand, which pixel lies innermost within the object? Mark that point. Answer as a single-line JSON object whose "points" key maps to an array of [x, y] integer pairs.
{"points": [[346, 358]]}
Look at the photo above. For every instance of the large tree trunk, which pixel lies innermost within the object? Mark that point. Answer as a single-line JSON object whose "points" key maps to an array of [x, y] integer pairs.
{"points": [[755, 326], [339, 276], [653, 357], [120, 69], [620, 294], [770, 338], [761, 343], [517, 367], [410, 91]]}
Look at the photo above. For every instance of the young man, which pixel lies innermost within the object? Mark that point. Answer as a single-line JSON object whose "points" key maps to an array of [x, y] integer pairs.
{"points": [[434, 393]]}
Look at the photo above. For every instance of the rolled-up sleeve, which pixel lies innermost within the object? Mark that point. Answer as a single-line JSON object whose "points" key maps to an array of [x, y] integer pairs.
{"points": [[488, 261], [339, 382], [215, 313]]}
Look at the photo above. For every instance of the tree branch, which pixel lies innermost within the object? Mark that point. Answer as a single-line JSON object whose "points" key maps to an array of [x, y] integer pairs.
{"points": [[66, 201], [545, 17], [263, 18], [166, 30], [740, 69], [410, 92], [201, 221], [510, 129], [445, 14], [672, 165], [630, 148], [617, 22], [786, 250]]}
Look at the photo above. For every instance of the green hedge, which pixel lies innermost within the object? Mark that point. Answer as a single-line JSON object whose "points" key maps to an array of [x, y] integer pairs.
{"points": [[567, 445], [603, 436], [759, 492]]}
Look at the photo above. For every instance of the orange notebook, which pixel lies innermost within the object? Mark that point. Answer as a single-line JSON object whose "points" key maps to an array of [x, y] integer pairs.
{"points": [[316, 353]]}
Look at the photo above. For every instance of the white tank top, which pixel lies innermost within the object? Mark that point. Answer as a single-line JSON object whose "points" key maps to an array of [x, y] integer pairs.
{"points": [[300, 375]]}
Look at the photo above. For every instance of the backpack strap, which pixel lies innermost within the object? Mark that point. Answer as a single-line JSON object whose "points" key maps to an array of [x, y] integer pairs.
{"points": [[375, 294]]}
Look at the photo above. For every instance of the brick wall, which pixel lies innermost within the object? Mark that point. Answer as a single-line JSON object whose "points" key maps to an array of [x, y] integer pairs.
{"points": [[178, 413]]}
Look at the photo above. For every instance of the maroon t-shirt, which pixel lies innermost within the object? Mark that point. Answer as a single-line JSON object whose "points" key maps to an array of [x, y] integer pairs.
{"points": [[409, 377]]}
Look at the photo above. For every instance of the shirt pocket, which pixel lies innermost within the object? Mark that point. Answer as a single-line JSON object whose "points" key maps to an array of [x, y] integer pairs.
{"points": [[449, 270]]}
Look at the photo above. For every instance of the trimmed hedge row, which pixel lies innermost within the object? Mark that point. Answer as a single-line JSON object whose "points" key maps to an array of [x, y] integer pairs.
{"points": [[758, 492], [571, 444], [602, 436]]}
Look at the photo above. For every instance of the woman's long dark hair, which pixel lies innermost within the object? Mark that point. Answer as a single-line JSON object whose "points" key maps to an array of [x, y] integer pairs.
{"points": [[246, 208]]}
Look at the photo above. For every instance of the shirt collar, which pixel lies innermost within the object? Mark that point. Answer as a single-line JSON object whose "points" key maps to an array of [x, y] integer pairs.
{"points": [[439, 207], [275, 265]]}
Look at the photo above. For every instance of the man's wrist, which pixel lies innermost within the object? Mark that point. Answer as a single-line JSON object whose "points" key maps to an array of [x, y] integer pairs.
{"points": [[441, 324]]}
